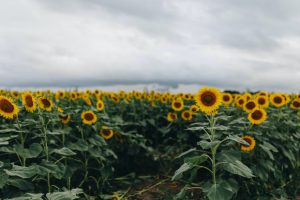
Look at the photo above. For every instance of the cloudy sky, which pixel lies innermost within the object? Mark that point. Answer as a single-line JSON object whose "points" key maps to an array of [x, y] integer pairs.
{"points": [[224, 43]]}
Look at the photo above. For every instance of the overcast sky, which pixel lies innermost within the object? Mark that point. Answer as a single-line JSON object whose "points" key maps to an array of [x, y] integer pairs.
{"points": [[232, 44]]}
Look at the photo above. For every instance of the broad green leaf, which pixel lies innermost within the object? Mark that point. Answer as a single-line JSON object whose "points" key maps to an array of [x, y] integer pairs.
{"points": [[20, 184], [219, 192], [64, 151], [183, 168], [67, 195], [196, 160], [22, 172], [207, 145], [80, 145], [237, 139], [3, 178], [187, 152], [33, 151], [238, 168]]}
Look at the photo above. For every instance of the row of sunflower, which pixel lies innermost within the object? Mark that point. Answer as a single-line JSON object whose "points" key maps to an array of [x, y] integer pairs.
{"points": [[112, 129]]}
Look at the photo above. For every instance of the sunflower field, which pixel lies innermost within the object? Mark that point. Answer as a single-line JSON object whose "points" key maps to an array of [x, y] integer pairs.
{"points": [[149, 145]]}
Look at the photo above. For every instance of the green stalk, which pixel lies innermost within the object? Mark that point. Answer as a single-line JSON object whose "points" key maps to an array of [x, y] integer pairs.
{"points": [[213, 149], [46, 150], [22, 141]]}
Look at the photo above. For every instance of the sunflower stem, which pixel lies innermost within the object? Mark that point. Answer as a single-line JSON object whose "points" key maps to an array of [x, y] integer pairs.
{"points": [[46, 150]]}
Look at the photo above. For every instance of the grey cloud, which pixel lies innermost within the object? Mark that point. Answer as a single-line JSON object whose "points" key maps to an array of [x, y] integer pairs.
{"points": [[234, 44]]}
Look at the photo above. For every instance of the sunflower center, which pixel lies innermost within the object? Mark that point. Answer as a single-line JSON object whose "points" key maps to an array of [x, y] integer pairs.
{"points": [[6, 106], [186, 115], [106, 132], [177, 104], [226, 98], [261, 101], [208, 98], [256, 115], [64, 117], [250, 105], [296, 104], [241, 101], [248, 141], [278, 100], [46, 103], [28, 100], [89, 116], [173, 116]]}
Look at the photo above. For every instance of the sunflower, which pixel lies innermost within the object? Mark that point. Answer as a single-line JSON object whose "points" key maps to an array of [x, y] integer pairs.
{"points": [[277, 100], [295, 104], [86, 99], [262, 101], [187, 115], [100, 105], [88, 117], [106, 133], [115, 98], [251, 141], [249, 106], [45, 104], [240, 101], [194, 108], [28, 101], [171, 117], [65, 118], [227, 99], [60, 110], [208, 99], [257, 116], [7, 108], [59, 94], [177, 104]]}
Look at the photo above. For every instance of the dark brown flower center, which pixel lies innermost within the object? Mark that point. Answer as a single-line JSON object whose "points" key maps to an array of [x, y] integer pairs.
{"points": [[296, 104], [89, 116], [173, 116], [278, 100], [186, 114], [226, 98], [6, 106], [29, 101], [261, 101], [250, 105], [177, 104], [46, 103], [63, 117], [106, 132], [248, 141], [208, 98], [257, 115], [241, 101]]}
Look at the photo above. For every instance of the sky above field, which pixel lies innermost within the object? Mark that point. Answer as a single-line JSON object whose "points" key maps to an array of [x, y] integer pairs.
{"points": [[228, 44]]}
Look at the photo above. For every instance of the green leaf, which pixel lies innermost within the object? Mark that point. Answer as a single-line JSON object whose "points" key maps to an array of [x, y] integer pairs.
{"points": [[64, 151], [238, 168], [67, 195], [34, 150], [237, 139], [80, 145], [219, 192], [3, 179], [186, 152], [267, 150], [207, 145], [20, 183], [183, 168], [196, 160], [29, 196], [22, 172]]}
